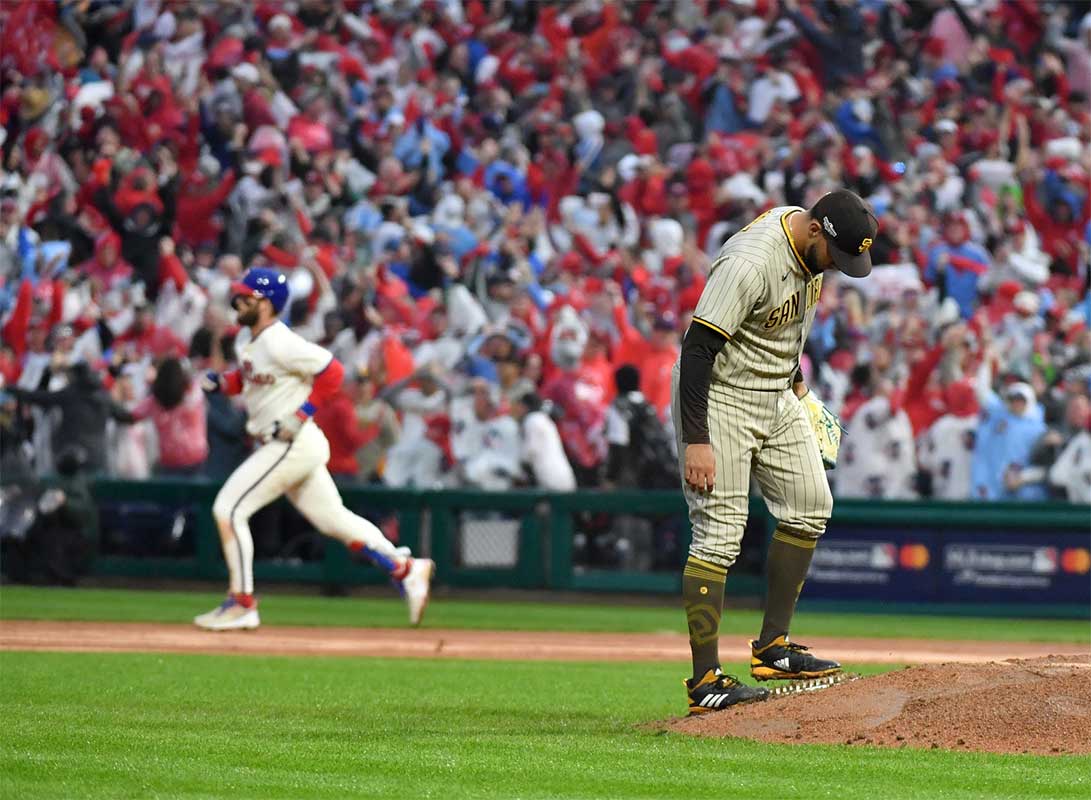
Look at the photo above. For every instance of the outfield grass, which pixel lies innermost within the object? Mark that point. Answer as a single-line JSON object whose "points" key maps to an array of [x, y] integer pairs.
{"points": [[135, 725], [109, 605], [192, 726]]}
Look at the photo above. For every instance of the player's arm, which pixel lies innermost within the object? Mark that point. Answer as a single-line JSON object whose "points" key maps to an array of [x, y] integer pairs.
{"points": [[735, 286], [325, 385], [308, 360], [229, 382], [699, 350], [799, 386]]}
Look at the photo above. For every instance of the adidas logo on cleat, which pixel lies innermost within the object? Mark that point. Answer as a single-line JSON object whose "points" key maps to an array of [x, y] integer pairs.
{"points": [[717, 691], [714, 700]]}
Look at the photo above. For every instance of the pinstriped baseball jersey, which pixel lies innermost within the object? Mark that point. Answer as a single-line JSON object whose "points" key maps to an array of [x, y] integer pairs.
{"points": [[760, 295], [278, 369]]}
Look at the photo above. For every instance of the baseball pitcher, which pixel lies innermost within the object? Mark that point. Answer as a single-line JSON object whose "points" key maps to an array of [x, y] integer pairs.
{"points": [[741, 408], [283, 379]]}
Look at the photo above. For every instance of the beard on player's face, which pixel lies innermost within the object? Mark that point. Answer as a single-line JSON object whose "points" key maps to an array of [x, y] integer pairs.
{"points": [[810, 258], [247, 313]]}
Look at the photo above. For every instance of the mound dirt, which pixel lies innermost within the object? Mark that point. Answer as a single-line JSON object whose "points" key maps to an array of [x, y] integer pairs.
{"points": [[1040, 706]]}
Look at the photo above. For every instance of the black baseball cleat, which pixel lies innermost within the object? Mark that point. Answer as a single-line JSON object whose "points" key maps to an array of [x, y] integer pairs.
{"points": [[784, 660], [716, 691]]}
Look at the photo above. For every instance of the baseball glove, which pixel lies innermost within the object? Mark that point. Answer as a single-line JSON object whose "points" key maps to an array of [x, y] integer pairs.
{"points": [[827, 428]]}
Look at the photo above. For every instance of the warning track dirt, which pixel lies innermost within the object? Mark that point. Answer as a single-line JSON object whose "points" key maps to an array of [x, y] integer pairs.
{"points": [[469, 644]]}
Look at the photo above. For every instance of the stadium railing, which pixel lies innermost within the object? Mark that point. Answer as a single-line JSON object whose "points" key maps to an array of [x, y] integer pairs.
{"points": [[873, 553]]}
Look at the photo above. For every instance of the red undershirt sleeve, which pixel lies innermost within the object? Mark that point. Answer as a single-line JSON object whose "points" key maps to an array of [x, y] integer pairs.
{"points": [[232, 382], [326, 384]]}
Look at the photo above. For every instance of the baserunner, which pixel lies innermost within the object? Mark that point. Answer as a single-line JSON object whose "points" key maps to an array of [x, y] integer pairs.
{"points": [[283, 379]]}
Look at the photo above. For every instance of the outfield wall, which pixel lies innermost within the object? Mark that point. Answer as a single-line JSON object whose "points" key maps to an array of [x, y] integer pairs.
{"points": [[960, 557]]}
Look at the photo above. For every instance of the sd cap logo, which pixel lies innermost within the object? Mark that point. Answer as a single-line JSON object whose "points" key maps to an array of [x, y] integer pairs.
{"points": [[864, 245]]}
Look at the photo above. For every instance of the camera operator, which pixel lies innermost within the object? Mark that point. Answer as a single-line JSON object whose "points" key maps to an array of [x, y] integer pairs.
{"points": [[85, 408], [49, 528]]}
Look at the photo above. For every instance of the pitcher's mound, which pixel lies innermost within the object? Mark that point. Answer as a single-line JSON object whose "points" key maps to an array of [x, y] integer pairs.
{"points": [[1034, 706]]}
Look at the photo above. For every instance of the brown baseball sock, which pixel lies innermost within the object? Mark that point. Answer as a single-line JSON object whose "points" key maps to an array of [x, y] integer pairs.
{"points": [[703, 595], [786, 567]]}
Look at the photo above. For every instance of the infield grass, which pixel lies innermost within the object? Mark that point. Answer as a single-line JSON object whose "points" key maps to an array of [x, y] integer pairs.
{"points": [[123, 605], [151, 726]]}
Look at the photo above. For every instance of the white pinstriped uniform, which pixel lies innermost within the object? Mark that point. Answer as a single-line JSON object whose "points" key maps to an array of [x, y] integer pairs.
{"points": [[762, 297], [278, 369]]}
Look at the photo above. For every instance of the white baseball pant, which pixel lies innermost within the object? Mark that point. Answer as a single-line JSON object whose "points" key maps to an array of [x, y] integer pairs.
{"points": [[296, 469]]}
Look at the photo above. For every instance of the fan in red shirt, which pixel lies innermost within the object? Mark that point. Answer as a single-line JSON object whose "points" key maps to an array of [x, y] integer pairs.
{"points": [[107, 266], [647, 192], [148, 339], [654, 356], [596, 366], [581, 401], [197, 221], [338, 420], [1058, 227], [177, 408]]}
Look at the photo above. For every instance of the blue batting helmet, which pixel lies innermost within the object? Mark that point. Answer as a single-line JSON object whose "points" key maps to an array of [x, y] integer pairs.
{"points": [[262, 282]]}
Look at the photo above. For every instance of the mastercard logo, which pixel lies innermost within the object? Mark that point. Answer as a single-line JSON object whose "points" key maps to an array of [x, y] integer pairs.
{"points": [[913, 556], [1076, 560]]}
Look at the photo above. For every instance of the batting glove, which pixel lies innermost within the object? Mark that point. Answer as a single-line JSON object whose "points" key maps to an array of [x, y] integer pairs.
{"points": [[827, 428], [212, 382], [286, 429]]}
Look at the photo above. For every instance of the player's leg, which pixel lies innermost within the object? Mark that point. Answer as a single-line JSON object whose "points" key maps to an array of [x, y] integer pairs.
{"points": [[256, 482], [318, 500], [717, 520], [793, 481]]}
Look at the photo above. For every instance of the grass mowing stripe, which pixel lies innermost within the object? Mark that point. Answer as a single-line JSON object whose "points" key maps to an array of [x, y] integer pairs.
{"points": [[214, 726], [113, 605]]}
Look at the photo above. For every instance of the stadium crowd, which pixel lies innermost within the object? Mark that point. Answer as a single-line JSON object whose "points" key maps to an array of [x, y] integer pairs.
{"points": [[500, 215]]}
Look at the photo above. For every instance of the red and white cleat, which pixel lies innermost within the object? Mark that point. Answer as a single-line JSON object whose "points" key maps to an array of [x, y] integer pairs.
{"points": [[230, 615]]}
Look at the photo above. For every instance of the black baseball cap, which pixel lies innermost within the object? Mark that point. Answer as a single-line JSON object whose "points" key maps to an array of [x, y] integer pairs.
{"points": [[850, 228]]}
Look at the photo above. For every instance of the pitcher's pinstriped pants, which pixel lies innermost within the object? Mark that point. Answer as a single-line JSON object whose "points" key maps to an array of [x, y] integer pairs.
{"points": [[768, 434]]}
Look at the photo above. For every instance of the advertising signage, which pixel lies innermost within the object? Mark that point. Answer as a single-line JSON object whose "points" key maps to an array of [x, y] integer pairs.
{"points": [[951, 566]]}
